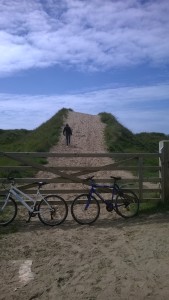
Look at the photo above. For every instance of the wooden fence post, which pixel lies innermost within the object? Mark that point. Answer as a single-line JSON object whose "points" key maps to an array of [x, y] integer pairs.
{"points": [[140, 169], [164, 173]]}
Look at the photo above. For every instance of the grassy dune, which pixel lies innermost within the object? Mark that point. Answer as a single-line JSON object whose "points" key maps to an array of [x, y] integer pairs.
{"points": [[117, 138]]}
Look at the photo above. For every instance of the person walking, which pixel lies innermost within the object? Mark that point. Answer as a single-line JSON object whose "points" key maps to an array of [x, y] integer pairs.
{"points": [[67, 131]]}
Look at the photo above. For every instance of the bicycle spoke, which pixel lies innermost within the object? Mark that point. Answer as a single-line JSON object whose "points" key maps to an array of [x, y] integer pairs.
{"points": [[127, 204], [8, 210], [85, 211], [53, 210]]}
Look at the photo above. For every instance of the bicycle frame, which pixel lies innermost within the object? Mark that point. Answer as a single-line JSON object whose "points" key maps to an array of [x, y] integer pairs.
{"points": [[18, 194], [93, 190]]}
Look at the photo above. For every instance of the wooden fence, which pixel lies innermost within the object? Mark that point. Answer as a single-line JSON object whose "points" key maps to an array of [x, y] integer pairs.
{"points": [[146, 180]]}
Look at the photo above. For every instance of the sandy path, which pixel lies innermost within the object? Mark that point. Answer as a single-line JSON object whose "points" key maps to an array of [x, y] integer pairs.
{"points": [[88, 137], [112, 259]]}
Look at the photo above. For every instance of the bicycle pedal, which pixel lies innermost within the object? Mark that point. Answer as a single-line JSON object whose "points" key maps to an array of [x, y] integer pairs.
{"points": [[30, 216]]}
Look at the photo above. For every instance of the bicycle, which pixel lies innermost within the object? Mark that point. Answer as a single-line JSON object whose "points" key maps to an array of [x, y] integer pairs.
{"points": [[85, 208], [49, 214]]}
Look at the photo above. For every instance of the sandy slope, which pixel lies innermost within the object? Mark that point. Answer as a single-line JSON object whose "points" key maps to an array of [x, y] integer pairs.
{"points": [[88, 136], [112, 259]]}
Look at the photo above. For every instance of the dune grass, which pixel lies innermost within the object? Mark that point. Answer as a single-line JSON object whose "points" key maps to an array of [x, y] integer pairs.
{"points": [[119, 139], [153, 207], [40, 139]]}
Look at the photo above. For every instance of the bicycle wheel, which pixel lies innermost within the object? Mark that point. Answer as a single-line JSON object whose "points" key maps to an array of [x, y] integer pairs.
{"points": [[53, 210], [8, 210], [127, 203], [83, 211]]}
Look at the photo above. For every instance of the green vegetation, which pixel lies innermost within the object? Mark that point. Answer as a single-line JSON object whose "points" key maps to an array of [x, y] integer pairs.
{"points": [[120, 139], [152, 207], [39, 140]]}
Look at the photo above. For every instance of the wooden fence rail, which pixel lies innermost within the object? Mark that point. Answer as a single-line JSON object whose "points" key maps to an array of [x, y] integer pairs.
{"points": [[145, 178]]}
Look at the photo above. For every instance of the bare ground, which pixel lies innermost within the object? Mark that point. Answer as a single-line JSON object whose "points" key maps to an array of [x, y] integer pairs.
{"points": [[112, 259]]}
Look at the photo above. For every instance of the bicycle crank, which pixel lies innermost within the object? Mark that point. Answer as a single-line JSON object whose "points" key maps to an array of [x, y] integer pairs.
{"points": [[109, 207]]}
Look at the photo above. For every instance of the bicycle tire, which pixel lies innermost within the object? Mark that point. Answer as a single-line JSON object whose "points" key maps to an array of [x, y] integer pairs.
{"points": [[55, 213], [82, 214], [127, 203], [9, 212]]}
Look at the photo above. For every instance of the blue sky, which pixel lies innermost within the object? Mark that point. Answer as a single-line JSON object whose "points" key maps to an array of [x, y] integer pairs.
{"points": [[92, 56]]}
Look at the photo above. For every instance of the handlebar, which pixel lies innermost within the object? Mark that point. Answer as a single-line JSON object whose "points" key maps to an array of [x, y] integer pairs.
{"points": [[111, 185]]}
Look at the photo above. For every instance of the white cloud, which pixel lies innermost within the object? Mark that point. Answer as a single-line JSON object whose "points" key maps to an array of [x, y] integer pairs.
{"points": [[24, 111], [88, 34]]}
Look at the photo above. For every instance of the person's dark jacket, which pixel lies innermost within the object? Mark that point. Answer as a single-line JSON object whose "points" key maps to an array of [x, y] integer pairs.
{"points": [[67, 130]]}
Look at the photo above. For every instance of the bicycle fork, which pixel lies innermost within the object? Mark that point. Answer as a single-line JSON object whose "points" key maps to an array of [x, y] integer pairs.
{"points": [[88, 201]]}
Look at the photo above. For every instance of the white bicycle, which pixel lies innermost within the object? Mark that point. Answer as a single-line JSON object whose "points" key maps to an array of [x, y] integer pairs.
{"points": [[52, 209]]}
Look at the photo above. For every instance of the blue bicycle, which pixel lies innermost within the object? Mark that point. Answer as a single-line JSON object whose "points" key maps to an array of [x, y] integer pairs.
{"points": [[85, 208]]}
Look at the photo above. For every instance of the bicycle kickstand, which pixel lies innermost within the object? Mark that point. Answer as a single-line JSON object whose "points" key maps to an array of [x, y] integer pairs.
{"points": [[30, 216]]}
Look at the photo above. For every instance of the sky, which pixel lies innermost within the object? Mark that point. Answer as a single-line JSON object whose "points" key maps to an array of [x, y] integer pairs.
{"points": [[88, 55]]}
